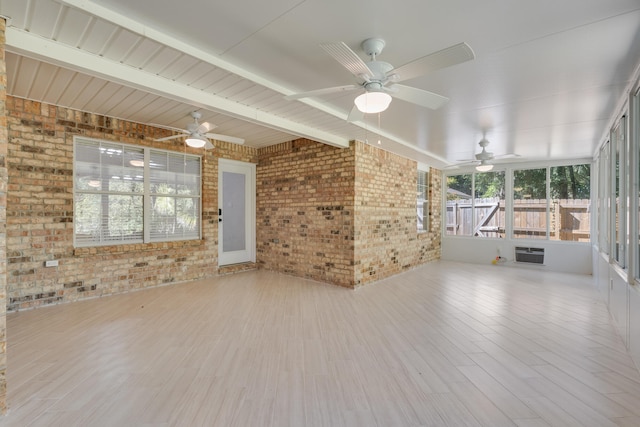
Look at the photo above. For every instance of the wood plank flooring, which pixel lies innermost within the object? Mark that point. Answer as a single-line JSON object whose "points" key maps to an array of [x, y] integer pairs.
{"points": [[445, 344]]}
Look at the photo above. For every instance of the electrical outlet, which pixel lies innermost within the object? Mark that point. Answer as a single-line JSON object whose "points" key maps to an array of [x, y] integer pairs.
{"points": [[51, 263]]}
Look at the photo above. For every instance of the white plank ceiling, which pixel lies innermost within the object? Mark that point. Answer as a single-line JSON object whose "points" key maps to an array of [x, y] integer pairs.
{"points": [[547, 77]]}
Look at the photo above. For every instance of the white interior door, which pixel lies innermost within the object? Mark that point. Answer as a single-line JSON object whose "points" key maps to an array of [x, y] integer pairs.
{"points": [[237, 213]]}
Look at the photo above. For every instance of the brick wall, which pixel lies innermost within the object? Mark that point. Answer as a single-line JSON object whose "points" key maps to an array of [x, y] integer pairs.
{"points": [[344, 216], [386, 237], [305, 211], [3, 235], [40, 212]]}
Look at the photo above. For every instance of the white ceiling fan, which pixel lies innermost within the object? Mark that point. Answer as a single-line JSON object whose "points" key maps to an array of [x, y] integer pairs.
{"points": [[484, 160], [197, 134], [379, 80]]}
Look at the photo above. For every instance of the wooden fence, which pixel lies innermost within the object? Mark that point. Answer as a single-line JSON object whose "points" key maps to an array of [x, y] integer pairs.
{"points": [[569, 219]]}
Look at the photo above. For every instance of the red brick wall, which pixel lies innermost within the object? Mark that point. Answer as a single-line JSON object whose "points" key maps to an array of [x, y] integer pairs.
{"points": [[386, 237], [305, 211], [40, 212]]}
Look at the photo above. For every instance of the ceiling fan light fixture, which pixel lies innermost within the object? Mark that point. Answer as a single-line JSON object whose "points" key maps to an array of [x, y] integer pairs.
{"points": [[373, 102], [484, 167], [195, 141]]}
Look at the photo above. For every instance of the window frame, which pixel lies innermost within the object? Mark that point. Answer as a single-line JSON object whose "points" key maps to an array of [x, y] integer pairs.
{"points": [[634, 185], [604, 198], [619, 185], [475, 202], [425, 225], [509, 169], [472, 205], [458, 197], [146, 194], [547, 216]]}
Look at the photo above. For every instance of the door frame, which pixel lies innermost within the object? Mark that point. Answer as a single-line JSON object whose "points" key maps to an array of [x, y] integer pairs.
{"points": [[249, 170]]}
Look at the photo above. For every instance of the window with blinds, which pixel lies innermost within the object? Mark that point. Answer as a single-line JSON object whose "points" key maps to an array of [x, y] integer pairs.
{"points": [[174, 196], [126, 194]]}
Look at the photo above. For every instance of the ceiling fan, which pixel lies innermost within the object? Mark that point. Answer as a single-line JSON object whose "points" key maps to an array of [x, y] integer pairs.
{"points": [[484, 160], [198, 134], [379, 80]]}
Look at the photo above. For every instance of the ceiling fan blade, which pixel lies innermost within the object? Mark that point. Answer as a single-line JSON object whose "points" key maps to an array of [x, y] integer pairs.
{"points": [[418, 96], [156, 125], [225, 138], [453, 166], [507, 156], [208, 145], [167, 138], [319, 92], [355, 115], [447, 57], [461, 164], [206, 127], [348, 58]]}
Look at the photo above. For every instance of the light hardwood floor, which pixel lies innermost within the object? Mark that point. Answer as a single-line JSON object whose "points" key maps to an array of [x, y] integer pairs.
{"points": [[445, 344]]}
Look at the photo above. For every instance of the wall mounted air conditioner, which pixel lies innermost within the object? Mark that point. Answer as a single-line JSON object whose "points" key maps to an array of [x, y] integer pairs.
{"points": [[530, 255]]}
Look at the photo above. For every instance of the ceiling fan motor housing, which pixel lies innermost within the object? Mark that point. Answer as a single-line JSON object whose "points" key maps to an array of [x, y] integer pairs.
{"points": [[484, 154], [373, 47], [379, 70]]}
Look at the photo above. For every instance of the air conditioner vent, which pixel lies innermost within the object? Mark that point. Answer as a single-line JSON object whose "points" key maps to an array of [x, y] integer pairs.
{"points": [[530, 255]]}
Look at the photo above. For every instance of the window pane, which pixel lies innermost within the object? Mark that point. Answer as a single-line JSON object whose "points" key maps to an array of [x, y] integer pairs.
{"points": [[635, 122], [107, 219], [489, 204], [174, 215], [88, 217], [619, 189], [616, 183], [234, 235], [124, 221], [459, 194], [174, 174], [422, 202], [604, 195], [530, 203], [102, 166], [570, 201], [174, 218]]}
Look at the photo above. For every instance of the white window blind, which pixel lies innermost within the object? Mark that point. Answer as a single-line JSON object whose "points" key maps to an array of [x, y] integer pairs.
{"points": [[175, 196], [111, 194]]}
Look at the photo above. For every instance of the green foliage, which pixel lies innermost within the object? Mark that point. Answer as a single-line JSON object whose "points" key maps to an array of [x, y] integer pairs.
{"points": [[571, 182], [461, 183], [566, 182], [530, 184], [489, 185]]}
